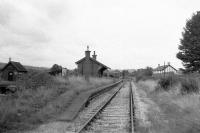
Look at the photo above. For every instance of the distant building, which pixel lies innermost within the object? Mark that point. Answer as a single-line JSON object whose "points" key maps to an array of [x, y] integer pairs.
{"points": [[12, 70], [165, 69], [113, 73], [89, 66], [65, 71]]}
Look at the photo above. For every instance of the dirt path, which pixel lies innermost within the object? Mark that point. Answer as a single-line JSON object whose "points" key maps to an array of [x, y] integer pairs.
{"points": [[149, 117]]}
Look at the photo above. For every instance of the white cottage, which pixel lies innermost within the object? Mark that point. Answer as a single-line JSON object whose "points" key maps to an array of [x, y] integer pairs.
{"points": [[165, 69]]}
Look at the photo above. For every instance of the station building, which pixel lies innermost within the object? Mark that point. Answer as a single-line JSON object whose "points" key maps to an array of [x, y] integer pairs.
{"points": [[89, 66]]}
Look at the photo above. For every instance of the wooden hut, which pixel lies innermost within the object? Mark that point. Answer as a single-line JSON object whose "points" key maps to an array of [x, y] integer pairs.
{"points": [[12, 70]]}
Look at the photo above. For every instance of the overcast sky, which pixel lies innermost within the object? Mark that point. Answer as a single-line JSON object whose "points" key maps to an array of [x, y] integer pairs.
{"points": [[124, 33]]}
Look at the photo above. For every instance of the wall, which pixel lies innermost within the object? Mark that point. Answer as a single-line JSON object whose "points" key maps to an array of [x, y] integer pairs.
{"points": [[7, 70], [88, 67], [95, 67]]}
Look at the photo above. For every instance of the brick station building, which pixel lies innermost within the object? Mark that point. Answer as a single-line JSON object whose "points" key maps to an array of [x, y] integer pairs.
{"points": [[89, 66]]}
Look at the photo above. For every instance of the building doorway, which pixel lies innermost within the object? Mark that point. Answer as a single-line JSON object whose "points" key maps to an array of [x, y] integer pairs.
{"points": [[10, 76], [101, 70]]}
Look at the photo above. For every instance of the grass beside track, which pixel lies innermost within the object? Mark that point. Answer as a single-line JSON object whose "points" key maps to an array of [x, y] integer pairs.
{"points": [[40, 98], [169, 111]]}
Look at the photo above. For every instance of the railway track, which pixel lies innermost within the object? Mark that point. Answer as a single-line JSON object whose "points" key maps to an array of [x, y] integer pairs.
{"points": [[116, 114]]}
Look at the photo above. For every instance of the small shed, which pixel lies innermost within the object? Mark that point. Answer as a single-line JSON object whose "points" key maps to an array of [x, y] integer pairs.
{"points": [[12, 70]]}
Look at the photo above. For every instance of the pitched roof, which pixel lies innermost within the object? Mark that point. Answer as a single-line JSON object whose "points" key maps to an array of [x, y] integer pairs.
{"points": [[94, 61], [79, 61], [18, 66], [161, 68]]}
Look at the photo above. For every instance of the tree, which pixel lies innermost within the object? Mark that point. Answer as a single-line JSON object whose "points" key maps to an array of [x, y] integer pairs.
{"points": [[149, 71], [190, 44], [55, 69], [143, 73]]}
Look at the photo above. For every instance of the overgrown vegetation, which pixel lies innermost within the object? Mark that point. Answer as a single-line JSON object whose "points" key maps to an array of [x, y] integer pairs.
{"points": [[143, 74], [39, 98], [188, 83], [55, 69], [166, 82], [170, 111]]}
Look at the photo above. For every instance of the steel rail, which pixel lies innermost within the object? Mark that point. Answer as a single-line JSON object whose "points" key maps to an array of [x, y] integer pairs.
{"points": [[99, 110], [132, 119]]}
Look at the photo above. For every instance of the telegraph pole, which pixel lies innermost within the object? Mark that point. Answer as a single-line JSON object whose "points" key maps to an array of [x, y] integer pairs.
{"points": [[164, 69]]}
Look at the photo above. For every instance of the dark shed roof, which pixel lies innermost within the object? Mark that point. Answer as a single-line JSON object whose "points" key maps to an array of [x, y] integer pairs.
{"points": [[18, 66], [93, 61]]}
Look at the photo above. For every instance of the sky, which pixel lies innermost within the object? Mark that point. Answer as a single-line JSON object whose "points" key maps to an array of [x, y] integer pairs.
{"points": [[126, 34]]}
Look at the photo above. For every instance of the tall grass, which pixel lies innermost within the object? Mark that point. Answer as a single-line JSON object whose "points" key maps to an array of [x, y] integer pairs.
{"points": [[41, 97], [80, 84], [188, 84], [171, 111]]}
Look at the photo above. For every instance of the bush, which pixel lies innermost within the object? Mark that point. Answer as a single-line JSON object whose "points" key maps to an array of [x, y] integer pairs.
{"points": [[55, 69], [189, 85], [138, 77], [166, 83], [35, 80], [143, 74]]}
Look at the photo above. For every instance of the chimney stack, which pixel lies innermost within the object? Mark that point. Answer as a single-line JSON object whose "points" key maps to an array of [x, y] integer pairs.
{"points": [[94, 56], [87, 53], [87, 69], [158, 65], [9, 59], [168, 63]]}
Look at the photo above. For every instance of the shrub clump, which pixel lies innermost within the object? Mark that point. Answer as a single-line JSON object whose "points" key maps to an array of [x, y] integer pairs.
{"points": [[189, 85], [35, 80], [143, 74], [167, 82]]}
